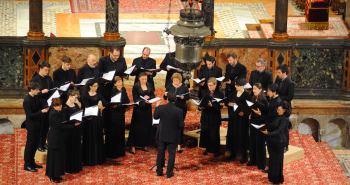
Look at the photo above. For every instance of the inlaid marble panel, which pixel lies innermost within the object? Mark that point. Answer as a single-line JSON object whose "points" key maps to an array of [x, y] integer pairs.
{"points": [[11, 70], [246, 56], [78, 55], [317, 68]]}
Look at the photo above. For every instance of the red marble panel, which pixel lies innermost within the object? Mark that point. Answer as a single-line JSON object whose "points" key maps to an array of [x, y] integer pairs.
{"points": [[142, 38], [78, 55]]}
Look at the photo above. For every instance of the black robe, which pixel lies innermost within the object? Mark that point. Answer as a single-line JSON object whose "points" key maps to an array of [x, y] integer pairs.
{"points": [[73, 162], [239, 69], [149, 63], [115, 131], [181, 103], [271, 112], [87, 72], [141, 130], [257, 149], [210, 124], [61, 77], [204, 73], [237, 139], [169, 61], [93, 147], [275, 146], [264, 78]]}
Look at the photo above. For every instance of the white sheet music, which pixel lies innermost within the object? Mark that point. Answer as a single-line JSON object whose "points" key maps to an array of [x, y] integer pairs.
{"points": [[220, 79], [132, 103], [109, 75], [130, 70], [64, 87], [247, 86], [195, 102], [117, 98], [91, 111], [249, 103], [83, 82], [155, 121], [154, 100], [182, 94], [56, 94], [235, 107], [256, 126], [77, 116], [197, 80], [171, 67]]}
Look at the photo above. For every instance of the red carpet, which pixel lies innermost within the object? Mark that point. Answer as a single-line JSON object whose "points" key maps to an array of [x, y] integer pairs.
{"points": [[127, 6], [318, 167]]}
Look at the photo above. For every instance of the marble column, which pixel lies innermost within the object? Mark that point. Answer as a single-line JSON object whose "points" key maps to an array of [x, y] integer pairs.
{"points": [[281, 16], [36, 20], [208, 15], [112, 20]]}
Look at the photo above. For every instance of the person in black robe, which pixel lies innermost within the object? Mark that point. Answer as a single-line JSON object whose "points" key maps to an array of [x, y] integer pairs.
{"points": [[257, 149], [286, 92], [147, 63], [46, 83], [140, 134], [207, 71], [236, 69], [73, 149], [180, 89], [261, 75], [64, 75], [276, 140], [169, 60], [90, 70], [33, 114], [170, 121], [211, 120], [93, 147], [56, 141], [238, 124], [115, 132]]}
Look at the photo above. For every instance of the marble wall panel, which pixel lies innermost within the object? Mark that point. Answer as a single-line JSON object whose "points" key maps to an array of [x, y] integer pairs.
{"points": [[246, 56], [317, 68], [78, 55], [11, 67]]}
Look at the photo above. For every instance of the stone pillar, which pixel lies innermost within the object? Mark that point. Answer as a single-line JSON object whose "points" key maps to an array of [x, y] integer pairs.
{"points": [[36, 20], [112, 20], [281, 16], [208, 16], [346, 74]]}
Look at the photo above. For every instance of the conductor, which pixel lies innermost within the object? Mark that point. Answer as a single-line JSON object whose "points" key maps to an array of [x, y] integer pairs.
{"points": [[167, 133]]}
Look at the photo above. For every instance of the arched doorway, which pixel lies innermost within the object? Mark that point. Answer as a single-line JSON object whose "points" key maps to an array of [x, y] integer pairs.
{"points": [[310, 126], [6, 126], [337, 133]]}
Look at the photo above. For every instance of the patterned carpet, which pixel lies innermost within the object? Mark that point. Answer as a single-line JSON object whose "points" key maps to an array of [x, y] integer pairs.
{"points": [[318, 167], [127, 6], [297, 28]]}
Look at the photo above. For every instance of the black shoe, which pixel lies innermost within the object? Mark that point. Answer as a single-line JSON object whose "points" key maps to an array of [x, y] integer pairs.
{"points": [[179, 151], [231, 157], [250, 164], [133, 152], [205, 152], [56, 180], [45, 146], [242, 161], [216, 154], [41, 149], [159, 174], [37, 166], [171, 175], [60, 178], [31, 169], [146, 150], [265, 171]]}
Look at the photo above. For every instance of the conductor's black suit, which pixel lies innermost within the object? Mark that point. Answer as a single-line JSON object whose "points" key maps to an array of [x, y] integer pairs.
{"points": [[167, 134], [33, 115]]}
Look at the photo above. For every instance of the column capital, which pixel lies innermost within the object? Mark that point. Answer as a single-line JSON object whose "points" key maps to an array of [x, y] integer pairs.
{"points": [[280, 37], [35, 35], [111, 36]]}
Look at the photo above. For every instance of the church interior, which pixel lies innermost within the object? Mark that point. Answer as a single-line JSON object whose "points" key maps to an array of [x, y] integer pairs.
{"points": [[313, 40]]}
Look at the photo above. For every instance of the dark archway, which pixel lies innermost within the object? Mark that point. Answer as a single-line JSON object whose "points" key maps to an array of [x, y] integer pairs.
{"points": [[310, 126], [6, 127], [337, 133]]}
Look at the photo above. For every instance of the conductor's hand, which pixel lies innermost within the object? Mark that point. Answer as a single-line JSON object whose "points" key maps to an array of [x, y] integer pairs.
{"points": [[45, 110], [166, 94], [209, 104], [241, 114], [158, 103], [265, 131], [149, 73], [258, 112], [146, 97], [77, 123], [45, 91]]}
